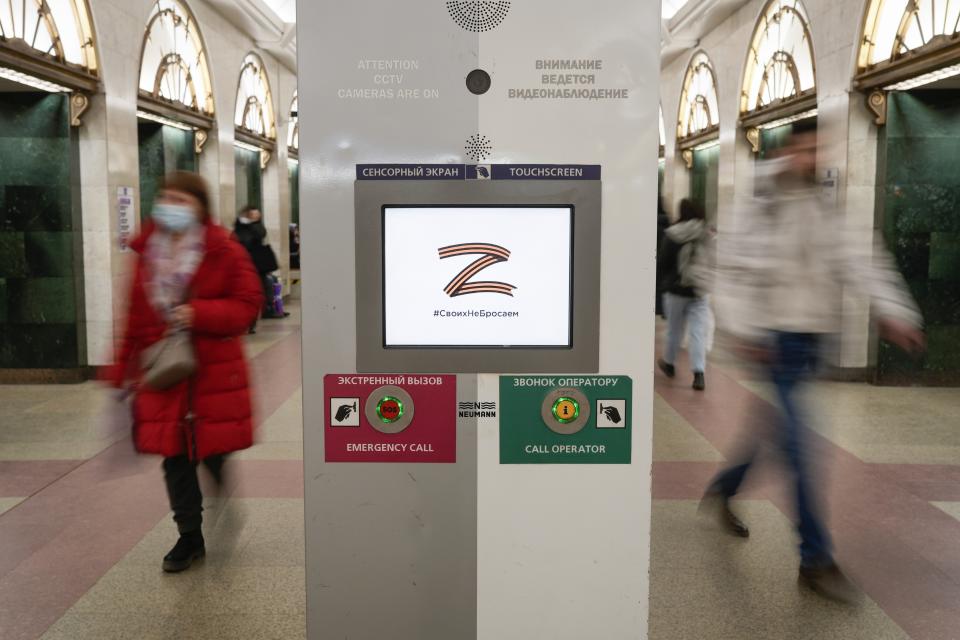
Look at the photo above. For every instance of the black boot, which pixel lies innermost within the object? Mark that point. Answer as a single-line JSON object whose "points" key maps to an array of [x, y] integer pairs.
{"points": [[188, 548], [668, 369], [699, 384]]}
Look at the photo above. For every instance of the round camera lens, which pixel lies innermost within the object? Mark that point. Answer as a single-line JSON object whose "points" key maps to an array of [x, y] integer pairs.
{"points": [[478, 82]]}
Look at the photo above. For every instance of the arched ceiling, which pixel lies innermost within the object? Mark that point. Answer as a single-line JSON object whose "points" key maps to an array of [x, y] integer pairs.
{"points": [[267, 22]]}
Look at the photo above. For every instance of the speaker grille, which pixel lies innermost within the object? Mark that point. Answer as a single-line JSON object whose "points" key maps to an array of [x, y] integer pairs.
{"points": [[478, 15], [478, 147]]}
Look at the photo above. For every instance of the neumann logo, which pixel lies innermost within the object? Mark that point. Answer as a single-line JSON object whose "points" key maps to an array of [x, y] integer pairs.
{"points": [[490, 254], [478, 410]]}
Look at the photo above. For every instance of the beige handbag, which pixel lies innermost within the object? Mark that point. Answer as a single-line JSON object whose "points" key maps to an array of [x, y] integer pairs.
{"points": [[169, 361]]}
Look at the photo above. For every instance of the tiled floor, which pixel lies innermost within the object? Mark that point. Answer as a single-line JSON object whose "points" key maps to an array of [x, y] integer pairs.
{"points": [[84, 522], [889, 469], [706, 585]]}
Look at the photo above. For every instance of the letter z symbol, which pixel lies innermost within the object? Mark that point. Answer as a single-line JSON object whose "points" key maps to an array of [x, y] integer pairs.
{"points": [[490, 254]]}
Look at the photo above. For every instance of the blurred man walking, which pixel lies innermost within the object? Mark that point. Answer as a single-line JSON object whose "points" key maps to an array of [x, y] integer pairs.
{"points": [[779, 295]]}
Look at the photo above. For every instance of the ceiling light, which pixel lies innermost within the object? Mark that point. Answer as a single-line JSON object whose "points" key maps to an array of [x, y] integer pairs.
{"points": [[244, 145], [32, 81], [926, 78], [788, 120], [707, 145], [145, 115]]}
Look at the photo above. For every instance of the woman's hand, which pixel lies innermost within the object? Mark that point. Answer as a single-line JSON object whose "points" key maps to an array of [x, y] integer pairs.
{"points": [[181, 318]]}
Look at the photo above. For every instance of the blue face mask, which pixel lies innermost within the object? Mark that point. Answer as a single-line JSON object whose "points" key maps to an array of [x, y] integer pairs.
{"points": [[173, 217]]}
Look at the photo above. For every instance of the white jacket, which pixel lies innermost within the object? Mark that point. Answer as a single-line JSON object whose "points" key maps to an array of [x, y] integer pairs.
{"points": [[788, 260]]}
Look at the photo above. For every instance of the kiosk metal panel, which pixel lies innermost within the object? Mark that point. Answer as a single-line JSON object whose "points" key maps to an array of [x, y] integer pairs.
{"points": [[520, 258]]}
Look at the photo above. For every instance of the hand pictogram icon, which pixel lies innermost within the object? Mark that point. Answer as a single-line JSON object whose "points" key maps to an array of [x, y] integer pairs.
{"points": [[344, 411], [612, 414]]}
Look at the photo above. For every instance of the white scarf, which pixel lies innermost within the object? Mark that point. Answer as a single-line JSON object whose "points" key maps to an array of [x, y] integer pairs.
{"points": [[171, 265]]}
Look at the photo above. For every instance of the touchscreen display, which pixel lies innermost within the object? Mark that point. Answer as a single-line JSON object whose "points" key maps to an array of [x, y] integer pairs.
{"points": [[477, 276]]}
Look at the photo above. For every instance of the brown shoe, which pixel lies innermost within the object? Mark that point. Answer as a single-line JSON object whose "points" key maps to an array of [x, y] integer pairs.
{"points": [[830, 582], [717, 505]]}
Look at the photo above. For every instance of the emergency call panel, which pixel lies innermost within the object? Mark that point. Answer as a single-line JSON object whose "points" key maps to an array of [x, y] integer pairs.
{"points": [[390, 418]]}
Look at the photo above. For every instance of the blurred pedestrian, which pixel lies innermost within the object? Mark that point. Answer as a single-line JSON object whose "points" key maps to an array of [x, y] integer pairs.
{"points": [[250, 231], [663, 221], [194, 283], [779, 294], [684, 266]]}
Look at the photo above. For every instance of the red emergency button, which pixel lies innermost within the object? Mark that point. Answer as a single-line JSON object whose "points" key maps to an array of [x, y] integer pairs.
{"points": [[389, 409]]}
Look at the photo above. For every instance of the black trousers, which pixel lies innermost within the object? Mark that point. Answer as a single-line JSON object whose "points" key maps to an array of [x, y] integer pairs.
{"points": [[183, 489]]}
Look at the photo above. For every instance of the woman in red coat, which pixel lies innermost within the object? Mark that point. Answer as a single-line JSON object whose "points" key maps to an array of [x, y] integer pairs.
{"points": [[190, 276]]}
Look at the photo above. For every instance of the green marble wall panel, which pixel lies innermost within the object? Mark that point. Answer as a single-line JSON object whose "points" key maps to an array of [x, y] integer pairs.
{"points": [[944, 256], [150, 139], [41, 301], [13, 254], [776, 138], [163, 149], [178, 150], [34, 115], [39, 346], [293, 169], [47, 207], [705, 180], [49, 254], [919, 204], [249, 187], [40, 262], [772, 140]]}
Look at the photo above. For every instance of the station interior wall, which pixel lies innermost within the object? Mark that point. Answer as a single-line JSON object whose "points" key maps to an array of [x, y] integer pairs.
{"points": [[704, 180], [919, 208], [293, 173], [843, 120], [41, 292], [79, 292], [162, 149], [109, 154], [249, 187], [773, 139]]}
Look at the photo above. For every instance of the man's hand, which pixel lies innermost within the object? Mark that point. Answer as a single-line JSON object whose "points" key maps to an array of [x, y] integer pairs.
{"points": [[181, 318], [904, 335]]}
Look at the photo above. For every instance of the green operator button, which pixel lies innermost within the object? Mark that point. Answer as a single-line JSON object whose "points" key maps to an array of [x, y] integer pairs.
{"points": [[389, 409], [566, 410]]}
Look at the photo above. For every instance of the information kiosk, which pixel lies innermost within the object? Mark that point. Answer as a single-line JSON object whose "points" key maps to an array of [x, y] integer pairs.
{"points": [[479, 192]]}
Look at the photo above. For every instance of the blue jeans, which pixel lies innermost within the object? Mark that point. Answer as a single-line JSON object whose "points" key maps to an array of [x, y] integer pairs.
{"points": [[684, 314], [794, 361]]}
